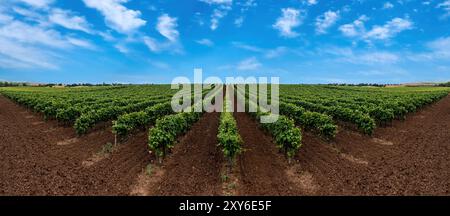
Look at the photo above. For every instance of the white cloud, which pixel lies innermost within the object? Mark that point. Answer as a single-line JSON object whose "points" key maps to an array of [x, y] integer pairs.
{"points": [[160, 65], [81, 43], [221, 10], [325, 21], [38, 3], [274, 53], [310, 2], [166, 26], [390, 29], [266, 53], [239, 21], [30, 42], [445, 6], [377, 58], [122, 48], [388, 71], [384, 32], [217, 1], [16, 55], [152, 44], [441, 44], [205, 42], [25, 33], [249, 64], [388, 5], [247, 47], [246, 5], [32, 46], [31, 15], [290, 19], [160, 46], [360, 57], [438, 49], [5, 18], [354, 29], [117, 16], [217, 15], [67, 20]]}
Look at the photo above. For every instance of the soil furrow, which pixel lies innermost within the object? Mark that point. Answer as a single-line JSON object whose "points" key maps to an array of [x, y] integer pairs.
{"points": [[263, 170], [194, 166]]}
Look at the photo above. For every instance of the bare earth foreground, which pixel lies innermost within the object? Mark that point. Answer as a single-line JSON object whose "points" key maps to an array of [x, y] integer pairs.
{"points": [[409, 157]]}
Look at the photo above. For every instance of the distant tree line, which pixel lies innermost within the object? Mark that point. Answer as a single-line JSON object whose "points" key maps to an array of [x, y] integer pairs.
{"points": [[11, 84], [7, 84], [90, 84], [447, 84], [360, 84]]}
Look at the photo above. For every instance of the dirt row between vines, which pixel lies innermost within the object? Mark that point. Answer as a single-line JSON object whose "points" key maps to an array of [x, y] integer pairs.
{"points": [[409, 157], [262, 168], [43, 158]]}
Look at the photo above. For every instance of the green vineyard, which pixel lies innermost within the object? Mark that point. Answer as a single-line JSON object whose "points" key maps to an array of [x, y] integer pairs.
{"points": [[322, 110]]}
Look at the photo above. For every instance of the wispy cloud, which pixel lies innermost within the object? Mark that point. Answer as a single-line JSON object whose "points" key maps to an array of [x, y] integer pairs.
{"points": [[249, 64], [390, 29], [122, 48], [239, 21], [446, 7], [247, 47], [160, 65], [117, 16], [388, 5], [5, 18], [205, 42], [67, 20], [274, 53], [222, 7], [361, 57], [167, 27], [438, 50], [387, 31], [325, 21], [217, 1], [28, 45], [38, 3], [16, 55], [289, 20], [266, 53], [244, 7], [354, 29], [81, 43], [310, 2], [20, 32]]}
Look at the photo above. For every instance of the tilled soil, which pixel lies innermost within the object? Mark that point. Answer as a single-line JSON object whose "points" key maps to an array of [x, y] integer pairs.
{"points": [[408, 158], [263, 169], [195, 164], [411, 157], [43, 158]]}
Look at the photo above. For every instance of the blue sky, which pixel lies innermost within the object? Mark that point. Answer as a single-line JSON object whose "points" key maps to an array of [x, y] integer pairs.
{"points": [[301, 41]]}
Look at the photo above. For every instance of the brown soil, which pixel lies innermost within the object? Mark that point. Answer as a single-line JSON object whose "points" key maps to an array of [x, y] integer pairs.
{"points": [[408, 158], [263, 170], [194, 166], [46, 159], [262, 167]]}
